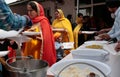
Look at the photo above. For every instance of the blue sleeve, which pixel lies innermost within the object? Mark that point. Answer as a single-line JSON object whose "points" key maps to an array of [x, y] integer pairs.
{"points": [[8, 20]]}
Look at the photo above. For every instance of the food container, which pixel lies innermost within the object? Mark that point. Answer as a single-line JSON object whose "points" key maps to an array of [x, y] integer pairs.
{"points": [[83, 66], [27, 67], [94, 54]]}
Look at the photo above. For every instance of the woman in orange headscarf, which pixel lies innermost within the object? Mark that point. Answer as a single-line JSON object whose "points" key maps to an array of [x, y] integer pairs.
{"points": [[42, 46]]}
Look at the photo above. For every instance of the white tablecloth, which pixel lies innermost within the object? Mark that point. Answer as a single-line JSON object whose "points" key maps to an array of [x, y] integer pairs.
{"points": [[113, 62]]}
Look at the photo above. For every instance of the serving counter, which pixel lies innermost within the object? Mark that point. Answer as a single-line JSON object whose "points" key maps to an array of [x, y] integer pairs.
{"points": [[113, 62], [114, 59]]}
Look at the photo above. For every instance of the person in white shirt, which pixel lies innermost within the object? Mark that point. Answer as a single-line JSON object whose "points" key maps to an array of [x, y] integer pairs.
{"points": [[113, 7]]}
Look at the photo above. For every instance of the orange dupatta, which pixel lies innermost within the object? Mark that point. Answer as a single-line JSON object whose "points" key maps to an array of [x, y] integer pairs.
{"points": [[48, 53]]}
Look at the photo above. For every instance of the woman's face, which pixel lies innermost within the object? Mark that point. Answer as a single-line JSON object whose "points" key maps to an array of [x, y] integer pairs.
{"points": [[31, 12], [57, 15]]}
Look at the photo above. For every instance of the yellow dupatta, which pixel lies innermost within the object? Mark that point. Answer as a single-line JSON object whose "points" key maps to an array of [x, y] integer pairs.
{"points": [[76, 33], [34, 46], [65, 24]]}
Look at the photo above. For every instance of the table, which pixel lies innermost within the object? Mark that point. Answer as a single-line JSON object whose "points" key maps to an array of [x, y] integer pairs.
{"points": [[113, 62]]}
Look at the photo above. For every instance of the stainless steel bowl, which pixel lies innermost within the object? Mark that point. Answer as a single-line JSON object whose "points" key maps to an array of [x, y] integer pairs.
{"points": [[26, 67]]}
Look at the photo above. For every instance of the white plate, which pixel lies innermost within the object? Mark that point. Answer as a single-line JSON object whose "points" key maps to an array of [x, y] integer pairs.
{"points": [[6, 34], [68, 45], [20, 38], [3, 53], [30, 33], [96, 42], [59, 66], [88, 32]]}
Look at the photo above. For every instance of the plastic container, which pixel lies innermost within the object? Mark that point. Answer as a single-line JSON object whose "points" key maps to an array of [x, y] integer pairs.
{"points": [[93, 54]]}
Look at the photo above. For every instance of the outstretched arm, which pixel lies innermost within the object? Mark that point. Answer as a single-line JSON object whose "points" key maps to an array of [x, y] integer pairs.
{"points": [[8, 20]]}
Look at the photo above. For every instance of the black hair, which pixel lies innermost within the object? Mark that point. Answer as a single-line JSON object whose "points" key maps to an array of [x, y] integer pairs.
{"points": [[80, 14], [86, 16], [113, 3], [69, 16], [33, 5]]}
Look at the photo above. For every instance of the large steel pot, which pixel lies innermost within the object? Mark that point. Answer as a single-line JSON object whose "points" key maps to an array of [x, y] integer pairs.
{"points": [[26, 67]]}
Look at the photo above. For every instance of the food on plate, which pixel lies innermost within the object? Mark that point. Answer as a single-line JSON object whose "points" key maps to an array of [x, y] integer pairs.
{"points": [[91, 74], [94, 46], [74, 71]]}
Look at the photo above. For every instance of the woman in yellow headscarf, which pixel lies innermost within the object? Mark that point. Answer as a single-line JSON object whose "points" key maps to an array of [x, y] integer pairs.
{"points": [[61, 22], [64, 23], [79, 22]]}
